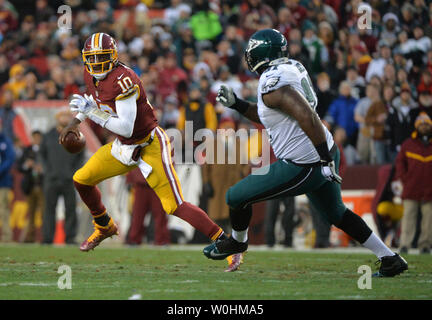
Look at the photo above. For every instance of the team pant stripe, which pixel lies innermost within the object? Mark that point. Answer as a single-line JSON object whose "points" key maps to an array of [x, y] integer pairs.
{"points": [[217, 234], [167, 168], [172, 167]]}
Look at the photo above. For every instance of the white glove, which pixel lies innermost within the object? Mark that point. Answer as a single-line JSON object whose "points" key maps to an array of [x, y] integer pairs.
{"points": [[226, 96], [82, 104], [87, 106], [329, 172], [397, 187]]}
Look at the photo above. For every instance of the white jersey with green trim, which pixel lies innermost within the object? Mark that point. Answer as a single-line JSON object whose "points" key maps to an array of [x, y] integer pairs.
{"points": [[287, 139]]}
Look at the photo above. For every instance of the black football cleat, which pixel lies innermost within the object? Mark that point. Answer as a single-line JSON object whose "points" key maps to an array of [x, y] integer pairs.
{"points": [[221, 249], [391, 266]]}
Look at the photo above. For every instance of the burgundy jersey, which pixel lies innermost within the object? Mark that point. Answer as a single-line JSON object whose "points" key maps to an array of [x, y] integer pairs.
{"points": [[121, 83]]}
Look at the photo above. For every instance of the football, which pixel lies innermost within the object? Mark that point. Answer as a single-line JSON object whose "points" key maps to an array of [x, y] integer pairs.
{"points": [[73, 144]]}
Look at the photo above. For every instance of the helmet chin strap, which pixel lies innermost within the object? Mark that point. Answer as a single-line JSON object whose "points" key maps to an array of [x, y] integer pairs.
{"points": [[100, 76], [278, 61]]}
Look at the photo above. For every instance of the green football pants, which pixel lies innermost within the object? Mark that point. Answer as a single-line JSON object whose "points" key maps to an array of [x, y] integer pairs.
{"points": [[284, 178]]}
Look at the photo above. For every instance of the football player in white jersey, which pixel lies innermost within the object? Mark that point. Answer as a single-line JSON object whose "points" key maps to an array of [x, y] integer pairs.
{"points": [[308, 158]]}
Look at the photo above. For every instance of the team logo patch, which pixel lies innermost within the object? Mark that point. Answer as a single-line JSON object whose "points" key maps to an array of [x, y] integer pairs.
{"points": [[270, 83], [253, 43]]}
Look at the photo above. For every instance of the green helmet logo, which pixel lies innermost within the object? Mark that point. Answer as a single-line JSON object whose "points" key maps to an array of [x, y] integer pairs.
{"points": [[265, 48]]}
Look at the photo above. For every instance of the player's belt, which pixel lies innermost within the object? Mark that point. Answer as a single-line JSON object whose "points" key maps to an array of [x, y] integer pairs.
{"points": [[150, 140], [137, 151], [312, 164]]}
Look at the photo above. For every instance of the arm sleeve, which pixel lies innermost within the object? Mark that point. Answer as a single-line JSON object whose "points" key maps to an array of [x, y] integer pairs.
{"points": [[124, 123]]}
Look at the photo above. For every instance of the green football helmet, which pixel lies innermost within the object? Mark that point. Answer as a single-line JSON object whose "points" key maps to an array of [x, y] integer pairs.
{"points": [[265, 48]]}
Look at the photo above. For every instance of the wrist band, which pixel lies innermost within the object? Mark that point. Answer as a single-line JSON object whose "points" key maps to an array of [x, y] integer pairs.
{"points": [[240, 105], [324, 152]]}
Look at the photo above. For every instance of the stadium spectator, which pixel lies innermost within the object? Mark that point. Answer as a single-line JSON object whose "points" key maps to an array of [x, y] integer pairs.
{"points": [[16, 82], [59, 167], [198, 110], [375, 118], [9, 17], [185, 44], [13, 124], [170, 113], [298, 11], [398, 126], [145, 200], [407, 16], [324, 93], [425, 82], [341, 113], [228, 57], [356, 81], [413, 169], [210, 96], [7, 157], [285, 21], [365, 147], [376, 66], [389, 75], [425, 104], [390, 29], [204, 22], [226, 78], [30, 165], [174, 12], [255, 15], [360, 58], [318, 53], [170, 76]]}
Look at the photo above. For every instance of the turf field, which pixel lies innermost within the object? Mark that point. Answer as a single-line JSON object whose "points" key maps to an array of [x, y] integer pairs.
{"points": [[30, 272]]}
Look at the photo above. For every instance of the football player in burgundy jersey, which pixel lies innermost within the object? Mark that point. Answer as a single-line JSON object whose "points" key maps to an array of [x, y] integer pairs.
{"points": [[115, 99]]}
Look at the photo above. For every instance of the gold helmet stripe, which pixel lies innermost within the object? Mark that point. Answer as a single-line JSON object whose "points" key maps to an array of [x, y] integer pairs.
{"points": [[96, 42]]}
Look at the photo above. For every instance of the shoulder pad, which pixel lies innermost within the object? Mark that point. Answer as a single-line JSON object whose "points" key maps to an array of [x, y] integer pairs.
{"points": [[278, 76]]}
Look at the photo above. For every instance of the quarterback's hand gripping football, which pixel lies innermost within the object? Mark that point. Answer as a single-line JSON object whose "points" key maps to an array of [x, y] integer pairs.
{"points": [[226, 96], [328, 170]]}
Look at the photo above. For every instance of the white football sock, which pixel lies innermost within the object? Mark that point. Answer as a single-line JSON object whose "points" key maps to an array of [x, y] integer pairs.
{"points": [[378, 247], [240, 236]]}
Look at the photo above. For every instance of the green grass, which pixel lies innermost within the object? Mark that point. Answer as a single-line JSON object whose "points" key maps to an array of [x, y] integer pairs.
{"points": [[30, 272]]}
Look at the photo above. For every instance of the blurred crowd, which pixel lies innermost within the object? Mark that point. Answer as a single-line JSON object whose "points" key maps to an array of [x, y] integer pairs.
{"points": [[372, 83]]}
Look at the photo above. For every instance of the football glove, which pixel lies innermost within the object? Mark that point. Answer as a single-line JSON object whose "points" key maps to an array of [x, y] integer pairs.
{"points": [[83, 104], [88, 106], [226, 96], [329, 172]]}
